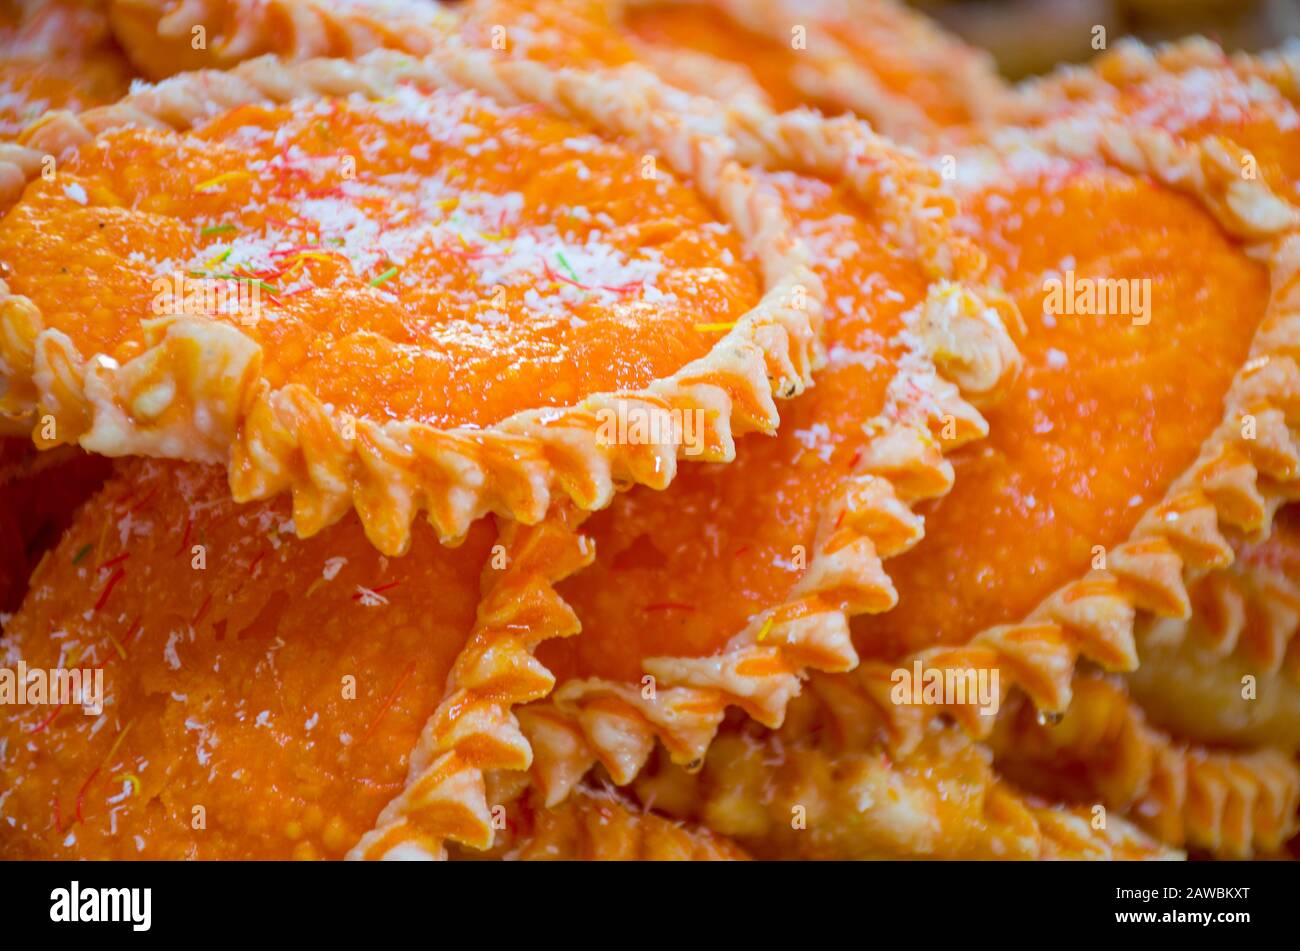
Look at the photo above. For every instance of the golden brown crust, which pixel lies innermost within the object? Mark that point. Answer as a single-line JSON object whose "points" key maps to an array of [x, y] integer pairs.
{"points": [[1230, 804], [287, 440], [601, 825], [816, 789], [1230, 673]]}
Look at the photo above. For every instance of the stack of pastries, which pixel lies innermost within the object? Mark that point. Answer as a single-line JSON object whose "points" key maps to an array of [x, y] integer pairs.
{"points": [[587, 429]]}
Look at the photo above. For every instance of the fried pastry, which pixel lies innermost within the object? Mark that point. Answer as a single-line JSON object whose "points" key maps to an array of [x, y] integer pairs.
{"points": [[821, 788], [55, 55], [1241, 105], [413, 314], [264, 696], [873, 58], [1048, 546], [1230, 673], [165, 37], [521, 261], [787, 542], [1220, 802], [601, 825], [989, 588]]}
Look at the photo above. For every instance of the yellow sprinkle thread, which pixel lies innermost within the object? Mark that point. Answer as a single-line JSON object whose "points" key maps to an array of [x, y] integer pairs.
{"points": [[313, 255], [131, 778], [713, 328], [221, 179], [76, 656], [219, 259], [767, 626], [121, 651], [112, 751]]}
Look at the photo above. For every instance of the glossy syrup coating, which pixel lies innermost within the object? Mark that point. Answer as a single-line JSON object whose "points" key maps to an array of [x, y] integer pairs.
{"points": [[425, 257], [262, 693], [679, 572]]}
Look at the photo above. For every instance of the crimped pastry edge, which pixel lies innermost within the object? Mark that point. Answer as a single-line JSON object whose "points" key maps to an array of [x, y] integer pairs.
{"points": [[960, 332], [290, 29], [1236, 484], [967, 337], [288, 440], [1229, 803], [826, 762], [968, 354], [830, 72], [1250, 589], [1131, 61], [474, 728]]}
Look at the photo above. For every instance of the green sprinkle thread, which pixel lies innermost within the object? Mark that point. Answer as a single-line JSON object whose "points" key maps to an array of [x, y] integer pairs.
{"points": [[385, 277]]}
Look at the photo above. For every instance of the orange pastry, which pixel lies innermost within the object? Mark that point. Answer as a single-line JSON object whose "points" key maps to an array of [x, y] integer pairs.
{"points": [[1221, 802], [727, 587], [263, 696], [55, 55], [1242, 105], [600, 825], [1106, 483], [413, 298], [874, 58], [1231, 673], [165, 37], [819, 788]]}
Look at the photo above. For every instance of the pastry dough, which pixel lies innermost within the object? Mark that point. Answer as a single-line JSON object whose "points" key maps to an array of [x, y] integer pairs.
{"points": [[491, 357], [873, 58], [787, 542], [165, 37], [1132, 477], [601, 825], [1222, 802], [819, 789], [262, 694], [521, 261], [1231, 672], [55, 55]]}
